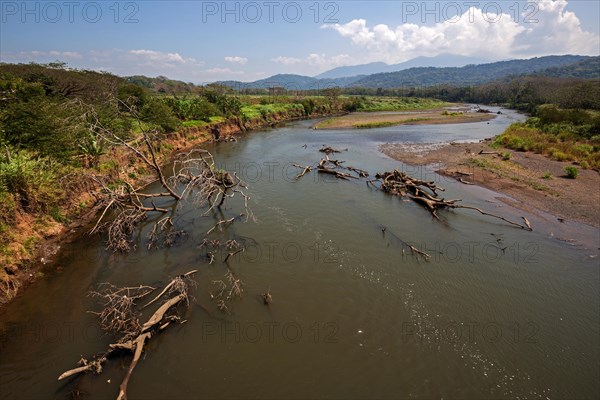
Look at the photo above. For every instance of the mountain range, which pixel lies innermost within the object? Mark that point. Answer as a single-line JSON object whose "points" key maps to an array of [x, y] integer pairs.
{"points": [[442, 60], [557, 66]]}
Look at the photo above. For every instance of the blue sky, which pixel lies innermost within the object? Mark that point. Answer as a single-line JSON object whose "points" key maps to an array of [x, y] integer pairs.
{"points": [[204, 41]]}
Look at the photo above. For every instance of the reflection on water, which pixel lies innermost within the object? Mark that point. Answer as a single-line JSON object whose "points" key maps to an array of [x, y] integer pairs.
{"points": [[497, 312]]}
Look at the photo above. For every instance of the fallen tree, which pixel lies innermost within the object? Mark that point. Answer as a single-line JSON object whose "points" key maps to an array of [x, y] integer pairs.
{"points": [[425, 193], [120, 316], [332, 167], [194, 177]]}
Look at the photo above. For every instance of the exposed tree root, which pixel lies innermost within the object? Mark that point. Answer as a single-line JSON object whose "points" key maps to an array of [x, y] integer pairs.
{"points": [[305, 169], [329, 150]]}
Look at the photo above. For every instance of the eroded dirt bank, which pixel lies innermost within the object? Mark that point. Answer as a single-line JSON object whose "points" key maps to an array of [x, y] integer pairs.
{"points": [[37, 239]]}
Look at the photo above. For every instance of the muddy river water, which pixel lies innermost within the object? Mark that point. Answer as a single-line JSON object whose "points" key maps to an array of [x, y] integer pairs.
{"points": [[354, 314]]}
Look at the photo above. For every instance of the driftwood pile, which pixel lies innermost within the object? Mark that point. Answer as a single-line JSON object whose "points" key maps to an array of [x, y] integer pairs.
{"points": [[398, 183], [332, 167]]}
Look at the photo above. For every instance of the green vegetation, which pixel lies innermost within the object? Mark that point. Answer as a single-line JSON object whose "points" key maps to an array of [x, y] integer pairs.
{"points": [[265, 111], [547, 175], [452, 114], [381, 124], [572, 172], [522, 93], [29, 181], [483, 163], [539, 186], [375, 104], [562, 135]]}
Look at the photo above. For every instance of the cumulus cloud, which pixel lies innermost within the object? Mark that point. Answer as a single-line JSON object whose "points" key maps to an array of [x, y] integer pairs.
{"points": [[237, 60], [557, 31], [475, 33], [159, 58]]}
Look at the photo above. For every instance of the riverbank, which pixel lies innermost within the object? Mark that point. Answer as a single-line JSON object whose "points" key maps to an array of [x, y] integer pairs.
{"points": [[532, 180], [36, 238], [367, 120]]}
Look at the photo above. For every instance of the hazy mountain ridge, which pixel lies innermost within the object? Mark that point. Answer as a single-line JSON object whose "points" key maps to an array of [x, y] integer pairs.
{"points": [[442, 60], [468, 75], [568, 66], [557, 66], [292, 82]]}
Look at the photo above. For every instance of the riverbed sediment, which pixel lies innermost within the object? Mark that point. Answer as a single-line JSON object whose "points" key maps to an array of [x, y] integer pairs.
{"points": [[532, 180]]}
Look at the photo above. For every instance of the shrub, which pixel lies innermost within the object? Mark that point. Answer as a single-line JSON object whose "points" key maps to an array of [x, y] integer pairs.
{"points": [[572, 172], [583, 149], [308, 105], [8, 207], [506, 156], [558, 155], [158, 113], [131, 95], [547, 175], [32, 181]]}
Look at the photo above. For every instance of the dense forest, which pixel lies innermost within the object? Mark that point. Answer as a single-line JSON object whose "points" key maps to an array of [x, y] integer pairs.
{"points": [[523, 93]]}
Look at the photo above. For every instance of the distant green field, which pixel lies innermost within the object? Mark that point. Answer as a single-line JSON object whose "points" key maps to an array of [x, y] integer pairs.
{"points": [[383, 124], [374, 104], [261, 110]]}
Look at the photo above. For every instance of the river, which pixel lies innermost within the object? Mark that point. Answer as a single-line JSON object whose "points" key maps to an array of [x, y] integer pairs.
{"points": [[354, 313]]}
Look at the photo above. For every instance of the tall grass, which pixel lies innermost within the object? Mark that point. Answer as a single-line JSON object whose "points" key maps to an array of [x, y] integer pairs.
{"points": [[559, 142], [30, 182]]}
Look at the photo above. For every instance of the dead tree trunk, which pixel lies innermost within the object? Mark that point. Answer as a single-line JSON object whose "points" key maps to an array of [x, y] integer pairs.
{"points": [[425, 193], [121, 316]]}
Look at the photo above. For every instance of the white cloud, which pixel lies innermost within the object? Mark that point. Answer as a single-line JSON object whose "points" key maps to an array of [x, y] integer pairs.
{"points": [[322, 61], [557, 31], [222, 71], [237, 60], [169, 59], [493, 36], [314, 61], [286, 60]]}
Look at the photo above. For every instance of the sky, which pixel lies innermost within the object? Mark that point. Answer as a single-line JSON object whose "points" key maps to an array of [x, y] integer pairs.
{"points": [[206, 41]]}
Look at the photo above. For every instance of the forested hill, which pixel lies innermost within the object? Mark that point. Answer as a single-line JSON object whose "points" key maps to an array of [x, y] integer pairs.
{"points": [[586, 69], [162, 84], [292, 82], [475, 74], [470, 75]]}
